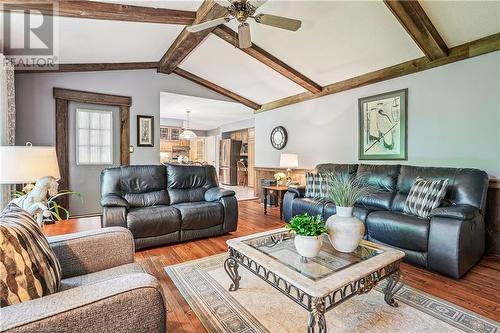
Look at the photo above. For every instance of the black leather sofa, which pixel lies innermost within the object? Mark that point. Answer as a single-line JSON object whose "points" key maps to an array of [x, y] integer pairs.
{"points": [[162, 204], [450, 242]]}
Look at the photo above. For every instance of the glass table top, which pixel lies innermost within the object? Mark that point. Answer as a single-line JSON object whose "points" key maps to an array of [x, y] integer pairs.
{"points": [[280, 246]]}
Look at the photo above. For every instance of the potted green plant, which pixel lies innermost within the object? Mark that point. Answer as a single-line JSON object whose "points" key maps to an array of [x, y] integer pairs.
{"points": [[308, 230], [344, 230], [57, 212]]}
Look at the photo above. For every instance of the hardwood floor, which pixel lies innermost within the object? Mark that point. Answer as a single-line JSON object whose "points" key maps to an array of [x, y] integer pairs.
{"points": [[478, 290]]}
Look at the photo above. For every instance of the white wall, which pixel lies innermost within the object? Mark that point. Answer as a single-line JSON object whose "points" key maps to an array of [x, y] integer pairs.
{"points": [[453, 120], [35, 119]]}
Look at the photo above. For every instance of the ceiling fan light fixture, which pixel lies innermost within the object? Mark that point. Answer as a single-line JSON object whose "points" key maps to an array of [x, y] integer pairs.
{"points": [[245, 39]]}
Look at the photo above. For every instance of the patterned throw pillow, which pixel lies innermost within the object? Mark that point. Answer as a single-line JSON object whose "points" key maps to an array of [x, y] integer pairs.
{"points": [[316, 185], [29, 267], [424, 196]]}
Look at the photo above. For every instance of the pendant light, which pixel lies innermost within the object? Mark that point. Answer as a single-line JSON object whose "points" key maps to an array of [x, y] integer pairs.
{"points": [[187, 134]]}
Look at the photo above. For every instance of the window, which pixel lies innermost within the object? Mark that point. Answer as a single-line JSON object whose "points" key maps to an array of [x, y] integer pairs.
{"points": [[164, 133], [94, 137], [174, 133]]}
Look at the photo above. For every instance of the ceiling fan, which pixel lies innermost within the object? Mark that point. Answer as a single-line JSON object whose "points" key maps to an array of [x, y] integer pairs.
{"points": [[241, 10]]}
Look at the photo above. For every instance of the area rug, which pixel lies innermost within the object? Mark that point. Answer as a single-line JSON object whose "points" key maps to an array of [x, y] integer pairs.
{"points": [[258, 307]]}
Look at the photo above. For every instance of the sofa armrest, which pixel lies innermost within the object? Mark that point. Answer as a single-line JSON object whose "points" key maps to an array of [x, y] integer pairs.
{"points": [[461, 212], [300, 190], [455, 245], [114, 200], [217, 193], [92, 251], [130, 303]]}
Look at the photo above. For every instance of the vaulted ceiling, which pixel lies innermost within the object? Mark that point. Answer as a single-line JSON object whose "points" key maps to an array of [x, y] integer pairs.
{"points": [[338, 40]]}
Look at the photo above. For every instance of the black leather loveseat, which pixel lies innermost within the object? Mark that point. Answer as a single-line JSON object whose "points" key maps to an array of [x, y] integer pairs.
{"points": [[162, 204], [450, 242]]}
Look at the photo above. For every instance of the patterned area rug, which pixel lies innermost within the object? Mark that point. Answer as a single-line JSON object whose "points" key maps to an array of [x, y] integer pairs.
{"points": [[258, 307]]}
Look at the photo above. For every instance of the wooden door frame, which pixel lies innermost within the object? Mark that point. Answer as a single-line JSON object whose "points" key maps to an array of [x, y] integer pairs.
{"points": [[63, 97]]}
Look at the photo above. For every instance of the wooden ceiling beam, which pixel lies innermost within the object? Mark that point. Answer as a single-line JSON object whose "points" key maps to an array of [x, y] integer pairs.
{"points": [[268, 59], [418, 25], [212, 86], [187, 41], [94, 67], [103, 11], [457, 53]]}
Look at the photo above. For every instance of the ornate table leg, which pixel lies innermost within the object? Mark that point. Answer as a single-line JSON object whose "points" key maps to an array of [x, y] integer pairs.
{"points": [[231, 268], [392, 288], [317, 316]]}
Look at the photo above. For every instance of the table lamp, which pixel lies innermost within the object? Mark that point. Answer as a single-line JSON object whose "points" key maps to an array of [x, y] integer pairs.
{"points": [[289, 161], [26, 164]]}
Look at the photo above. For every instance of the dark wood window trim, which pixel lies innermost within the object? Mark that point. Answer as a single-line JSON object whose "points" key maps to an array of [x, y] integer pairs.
{"points": [[63, 97]]}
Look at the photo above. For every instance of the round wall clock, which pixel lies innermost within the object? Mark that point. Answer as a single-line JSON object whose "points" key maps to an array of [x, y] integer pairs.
{"points": [[279, 137]]}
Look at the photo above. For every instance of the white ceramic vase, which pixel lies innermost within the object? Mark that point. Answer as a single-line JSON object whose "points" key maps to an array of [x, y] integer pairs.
{"points": [[344, 230], [308, 246]]}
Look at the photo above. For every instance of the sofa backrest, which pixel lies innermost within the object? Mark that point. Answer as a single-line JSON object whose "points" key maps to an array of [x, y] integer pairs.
{"points": [[337, 168], [188, 183], [383, 179], [466, 186], [140, 185]]}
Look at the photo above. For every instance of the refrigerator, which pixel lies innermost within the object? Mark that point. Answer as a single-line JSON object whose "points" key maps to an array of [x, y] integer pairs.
{"points": [[229, 156]]}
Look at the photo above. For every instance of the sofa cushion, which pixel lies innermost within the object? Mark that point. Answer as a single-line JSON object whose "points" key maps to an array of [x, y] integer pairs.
{"points": [[200, 215], [140, 185], [153, 221], [398, 229], [188, 183], [316, 185], [466, 186], [30, 268], [424, 196], [307, 205], [383, 180], [100, 276]]}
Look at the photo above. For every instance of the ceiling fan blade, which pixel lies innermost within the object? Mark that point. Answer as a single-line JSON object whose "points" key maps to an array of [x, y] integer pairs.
{"points": [[244, 39], [256, 3], [278, 21], [208, 24]]}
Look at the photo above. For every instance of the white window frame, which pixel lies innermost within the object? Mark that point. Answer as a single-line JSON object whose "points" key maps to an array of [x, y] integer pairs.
{"points": [[77, 150]]}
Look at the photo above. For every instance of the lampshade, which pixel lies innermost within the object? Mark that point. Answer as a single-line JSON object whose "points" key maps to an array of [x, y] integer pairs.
{"points": [[27, 164], [187, 135], [289, 161]]}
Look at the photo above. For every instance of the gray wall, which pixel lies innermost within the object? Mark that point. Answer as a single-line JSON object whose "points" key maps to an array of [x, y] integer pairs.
{"points": [[453, 120], [35, 104]]}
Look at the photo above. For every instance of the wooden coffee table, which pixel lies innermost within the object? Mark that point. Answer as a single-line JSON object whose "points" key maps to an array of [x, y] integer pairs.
{"points": [[318, 284]]}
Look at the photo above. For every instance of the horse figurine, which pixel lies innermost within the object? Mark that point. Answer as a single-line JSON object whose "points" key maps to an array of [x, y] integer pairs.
{"points": [[35, 202]]}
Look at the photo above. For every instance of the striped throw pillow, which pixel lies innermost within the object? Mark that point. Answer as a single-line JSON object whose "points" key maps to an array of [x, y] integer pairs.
{"points": [[424, 196], [29, 267], [316, 185]]}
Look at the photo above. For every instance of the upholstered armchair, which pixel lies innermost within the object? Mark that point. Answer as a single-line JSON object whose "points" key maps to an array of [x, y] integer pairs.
{"points": [[102, 290]]}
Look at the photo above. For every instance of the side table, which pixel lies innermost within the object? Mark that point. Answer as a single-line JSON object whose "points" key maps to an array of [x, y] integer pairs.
{"points": [[281, 193]]}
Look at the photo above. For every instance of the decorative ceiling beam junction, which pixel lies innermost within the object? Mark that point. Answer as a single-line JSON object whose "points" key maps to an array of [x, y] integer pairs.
{"points": [[457, 53], [94, 67], [212, 86], [268, 59], [418, 25], [187, 41], [104, 11]]}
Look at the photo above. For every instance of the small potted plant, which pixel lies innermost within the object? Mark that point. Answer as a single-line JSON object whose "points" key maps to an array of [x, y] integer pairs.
{"points": [[308, 230], [345, 231]]}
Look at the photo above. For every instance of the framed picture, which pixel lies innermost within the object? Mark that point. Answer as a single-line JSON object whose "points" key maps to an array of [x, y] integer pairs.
{"points": [[145, 131], [383, 126]]}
